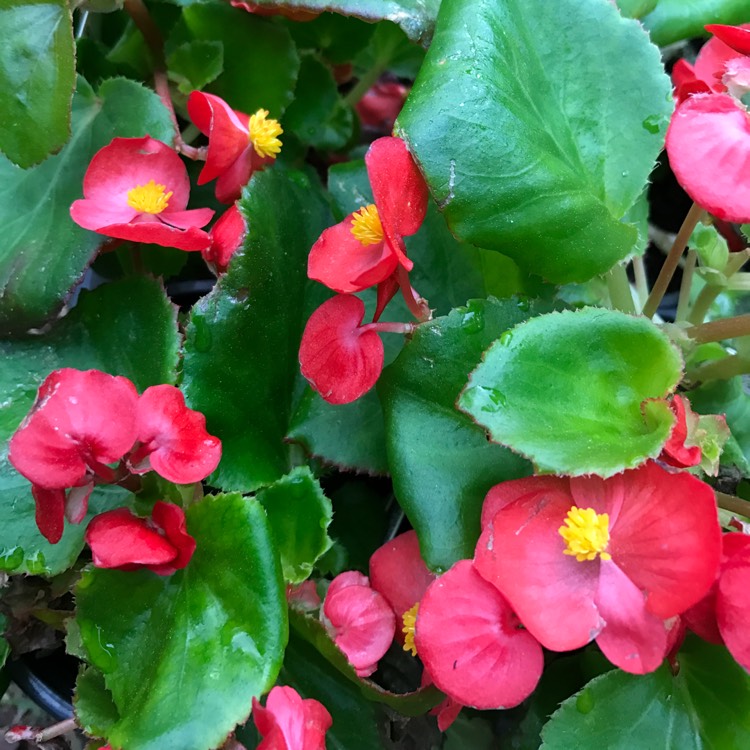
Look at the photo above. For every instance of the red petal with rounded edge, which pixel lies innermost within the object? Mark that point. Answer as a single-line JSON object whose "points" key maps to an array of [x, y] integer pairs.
{"points": [[341, 262], [195, 217], [521, 552], [675, 452], [711, 61], [398, 187], [71, 423], [398, 572], [77, 502], [363, 623], [665, 536], [119, 539], [50, 512], [158, 233], [340, 361], [701, 617], [708, 143], [229, 185], [174, 437], [735, 37], [733, 607], [128, 162], [289, 722], [507, 492], [227, 131], [226, 238], [471, 642], [633, 639], [170, 518], [91, 214]]}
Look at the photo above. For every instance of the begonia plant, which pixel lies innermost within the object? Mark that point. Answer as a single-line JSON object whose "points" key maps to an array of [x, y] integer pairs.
{"points": [[375, 373]]}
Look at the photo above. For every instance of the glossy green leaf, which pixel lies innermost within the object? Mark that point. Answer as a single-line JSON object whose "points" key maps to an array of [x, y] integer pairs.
{"points": [[299, 515], [241, 352], [673, 20], [95, 712], [530, 149], [390, 50], [337, 38], [183, 655], [706, 706], [260, 59], [441, 462], [636, 8], [195, 64], [571, 391], [44, 253], [37, 76]]}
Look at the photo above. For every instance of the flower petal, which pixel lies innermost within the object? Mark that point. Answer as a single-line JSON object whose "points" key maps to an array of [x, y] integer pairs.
{"points": [[733, 607], [92, 214], [158, 233], [50, 512], [737, 38], [290, 723], [170, 518], [506, 492], [227, 236], [195, 217]]}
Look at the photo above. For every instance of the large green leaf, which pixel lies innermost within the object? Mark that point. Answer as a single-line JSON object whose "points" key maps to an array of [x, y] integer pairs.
{"points": [[299, 515], [706, 706], [673, 20], [441, 462], [44, 252], [183, 655], [37, 75], [534, 141], [570, 391], [241, 353], [94, 709]]}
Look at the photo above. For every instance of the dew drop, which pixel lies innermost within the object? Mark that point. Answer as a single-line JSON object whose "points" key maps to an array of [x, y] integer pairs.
{"points": [[651, 123]]}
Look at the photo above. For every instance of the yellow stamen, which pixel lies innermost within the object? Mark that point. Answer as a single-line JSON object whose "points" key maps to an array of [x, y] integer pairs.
{"points": [[586, 533], [366, 226], [263, 134], [410, 622], [149, 198]]}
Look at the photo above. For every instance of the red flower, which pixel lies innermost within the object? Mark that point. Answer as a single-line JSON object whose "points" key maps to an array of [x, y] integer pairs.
{"points": [[367, 247], [380, 106], [359, 620], [610, 559], [737, 38], [137, 189], [238, 144], [289, 722], [676, 452], [121, 540], [471, 642], [172, 439], [69, 437], [227, 236]]}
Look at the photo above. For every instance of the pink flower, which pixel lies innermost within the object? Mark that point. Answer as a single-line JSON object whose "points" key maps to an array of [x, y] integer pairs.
{"points": [[289, 722], [137, 189], [367, 247], [238, 144], [609, 559], [737, 38], [172, 439], [121, 540], [227, 236], [69, 437], [380, 106], [359, 620]]}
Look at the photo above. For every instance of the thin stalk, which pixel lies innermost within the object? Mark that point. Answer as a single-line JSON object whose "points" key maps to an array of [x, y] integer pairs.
{"points": [[418, 307], [710, 292], [389, 327], [620, 296], [718, 330], [641, 283], [683, 303], [733, 504], [63, 727], [365, 83], [82, 21], [672, 260], [720, 369]]}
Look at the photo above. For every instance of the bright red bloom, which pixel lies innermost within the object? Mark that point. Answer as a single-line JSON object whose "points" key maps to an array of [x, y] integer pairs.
{"points": [[359, 620], [227, 236], [676, 452], [238, 144], [121, 540], [737, 38], [610, 559], [172, 439], [69, 437], [686, 82], [289, 722], [471, 642], [381, 104], [137, 189], [367, 247]]}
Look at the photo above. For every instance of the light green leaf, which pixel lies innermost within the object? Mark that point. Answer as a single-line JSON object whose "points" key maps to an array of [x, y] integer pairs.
{"points": [[673, 20], [195, 64]]}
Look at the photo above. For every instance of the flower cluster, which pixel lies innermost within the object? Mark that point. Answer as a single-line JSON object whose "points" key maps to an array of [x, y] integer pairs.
{"points": [[340, 357]]}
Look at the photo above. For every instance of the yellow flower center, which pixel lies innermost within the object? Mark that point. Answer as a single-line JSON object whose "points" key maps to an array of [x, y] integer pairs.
{"points": [[149, 198], [586, 533], [366, 226], [410, 622], [264, 132]]}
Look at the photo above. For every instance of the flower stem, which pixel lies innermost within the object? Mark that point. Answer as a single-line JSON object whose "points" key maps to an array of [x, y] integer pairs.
{"points": [[641, 284], [718, 330], [733, 504], [389, 327], [620, 296], [365, 83], [418, 307], [688, 271], [672, 260], [63, 727], [720, 369]]}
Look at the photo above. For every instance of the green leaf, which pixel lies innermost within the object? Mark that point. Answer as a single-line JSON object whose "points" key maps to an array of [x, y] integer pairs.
{"points": [[95, 712], [183, 655], [441, 462], [241, 352], [705, 706], [37, 76], [260, 59], [673, 20], [338, 38], [44, 253], [530, 149], [390, 50], [636, 8], [195, 64], [4, 647], [299, 515], [567, 390]]}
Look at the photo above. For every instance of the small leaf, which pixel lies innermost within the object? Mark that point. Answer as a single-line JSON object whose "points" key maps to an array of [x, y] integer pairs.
{"points": [[183, 655], [571, 391], [37, 76], [195, 64], [95, 712], [299, 515], [673, 20]]}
